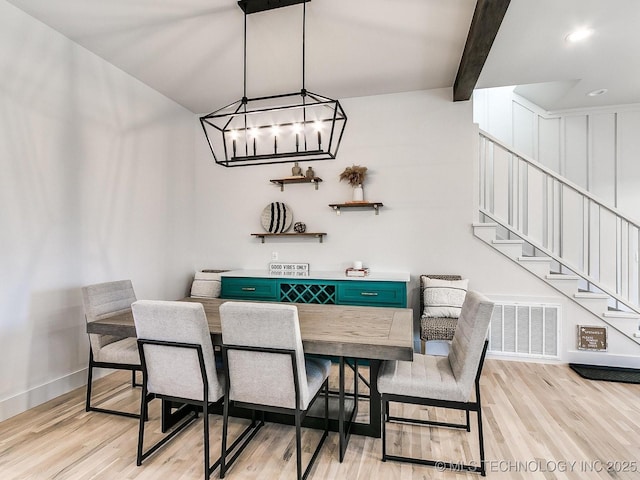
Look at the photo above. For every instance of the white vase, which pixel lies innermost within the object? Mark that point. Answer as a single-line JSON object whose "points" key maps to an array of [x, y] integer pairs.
{"points": [[358, 194]]}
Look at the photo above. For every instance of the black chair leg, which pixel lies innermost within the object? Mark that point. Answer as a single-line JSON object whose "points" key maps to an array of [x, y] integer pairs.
{"points": [[144, 403], [385, 417], [87, 405], [298, 446], [225, 424], [483, 471], [205, 413]]}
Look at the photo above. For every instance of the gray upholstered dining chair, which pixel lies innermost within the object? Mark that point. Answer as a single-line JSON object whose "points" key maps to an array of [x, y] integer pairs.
{"points": [[177, 365], [442, 381], [266, 369], [101, 301]]}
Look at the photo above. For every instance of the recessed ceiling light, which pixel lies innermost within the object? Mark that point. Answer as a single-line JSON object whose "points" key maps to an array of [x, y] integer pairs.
{"points": [[595, 93], [579, 35]]}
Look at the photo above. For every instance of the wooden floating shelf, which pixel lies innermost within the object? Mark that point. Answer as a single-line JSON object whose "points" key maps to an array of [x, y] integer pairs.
{"points": [[373, 205], [283, 181], [262, 236]]}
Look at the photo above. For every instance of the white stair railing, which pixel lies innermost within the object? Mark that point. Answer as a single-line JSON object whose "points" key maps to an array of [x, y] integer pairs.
{"points": [[561, 220]]}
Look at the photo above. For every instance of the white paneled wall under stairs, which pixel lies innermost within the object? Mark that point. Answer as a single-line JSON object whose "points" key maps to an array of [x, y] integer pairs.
{"points": [[567, 284]]}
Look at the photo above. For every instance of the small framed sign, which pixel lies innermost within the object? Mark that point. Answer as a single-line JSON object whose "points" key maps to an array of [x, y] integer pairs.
{"points": [[593, 338], [294, 269]]}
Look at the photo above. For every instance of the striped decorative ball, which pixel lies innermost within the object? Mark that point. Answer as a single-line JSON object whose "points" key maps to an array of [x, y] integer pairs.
{"points": [[276, 217]]}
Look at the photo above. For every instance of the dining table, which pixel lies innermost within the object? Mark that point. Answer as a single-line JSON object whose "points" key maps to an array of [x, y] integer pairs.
{"points": [[350, 335]]}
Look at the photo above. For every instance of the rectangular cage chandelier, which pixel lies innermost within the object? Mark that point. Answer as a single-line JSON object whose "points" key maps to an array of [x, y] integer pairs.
{"points": [[291, 127]]}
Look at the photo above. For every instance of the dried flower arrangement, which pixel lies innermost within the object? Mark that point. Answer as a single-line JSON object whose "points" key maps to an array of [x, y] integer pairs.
{"points": [[354, 175]]}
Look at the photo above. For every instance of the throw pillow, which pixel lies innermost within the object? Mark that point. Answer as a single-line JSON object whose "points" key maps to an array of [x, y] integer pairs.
{"points": [[444, 298], [206, 285]]}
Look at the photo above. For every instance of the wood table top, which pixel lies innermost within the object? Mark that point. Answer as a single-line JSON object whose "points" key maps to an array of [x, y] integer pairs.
{"points": [[359, 332]]}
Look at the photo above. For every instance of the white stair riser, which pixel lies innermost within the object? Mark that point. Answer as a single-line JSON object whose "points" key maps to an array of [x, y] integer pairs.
{"points": [[540, 269], [485, 233], [596, 305], [511, 250], [565, 286]]}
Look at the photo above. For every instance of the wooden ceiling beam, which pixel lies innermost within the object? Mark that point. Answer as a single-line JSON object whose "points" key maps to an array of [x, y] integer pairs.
{"points": [[486, 21]]}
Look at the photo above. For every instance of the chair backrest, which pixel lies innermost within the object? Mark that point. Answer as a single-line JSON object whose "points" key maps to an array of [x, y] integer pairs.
{"points": [[435, 277], [260, 377], [171, 370], [468, 341], [103, 300]]}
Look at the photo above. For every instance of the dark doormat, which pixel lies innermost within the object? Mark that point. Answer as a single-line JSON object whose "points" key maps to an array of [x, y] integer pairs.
{"points": [[607, 374]]}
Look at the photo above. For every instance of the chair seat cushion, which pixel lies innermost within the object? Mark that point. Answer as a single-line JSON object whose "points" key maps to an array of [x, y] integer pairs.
{"points": [[437, 328], [317, 372], [123, 351], [428, 376]]}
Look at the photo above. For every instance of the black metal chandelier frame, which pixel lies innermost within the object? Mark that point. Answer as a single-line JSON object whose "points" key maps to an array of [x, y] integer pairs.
{"points": [[277, 128]]}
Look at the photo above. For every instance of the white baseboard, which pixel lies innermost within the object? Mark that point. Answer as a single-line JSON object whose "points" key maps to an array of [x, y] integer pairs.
{"points": [[524, 358], [43, 393]]}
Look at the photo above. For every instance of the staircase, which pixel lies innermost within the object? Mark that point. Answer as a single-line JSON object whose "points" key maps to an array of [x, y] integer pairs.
{"points": [[561, 233]]}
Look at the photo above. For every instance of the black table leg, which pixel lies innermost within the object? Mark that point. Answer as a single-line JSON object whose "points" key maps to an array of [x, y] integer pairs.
{"points": [[345, 426], [341, 427], [374, 399], [169, 418]]}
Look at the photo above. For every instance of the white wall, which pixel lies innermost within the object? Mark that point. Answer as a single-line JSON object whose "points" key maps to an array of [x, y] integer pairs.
{"points": [[597, 149], [421, 150], [96, 184]]}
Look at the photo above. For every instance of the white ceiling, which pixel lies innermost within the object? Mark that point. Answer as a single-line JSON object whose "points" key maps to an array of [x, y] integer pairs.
{"points": [[191, 50], [530, 50]]}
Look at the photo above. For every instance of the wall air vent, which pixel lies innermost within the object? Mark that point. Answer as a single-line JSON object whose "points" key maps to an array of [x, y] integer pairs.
{"points": [[525, 329]]}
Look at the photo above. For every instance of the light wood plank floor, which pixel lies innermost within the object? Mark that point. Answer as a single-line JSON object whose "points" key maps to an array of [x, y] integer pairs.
{"points": [[541, 422]]}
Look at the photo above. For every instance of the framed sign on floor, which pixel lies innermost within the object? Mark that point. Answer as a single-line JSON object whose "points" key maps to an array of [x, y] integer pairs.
{"points": [[592, 338]]}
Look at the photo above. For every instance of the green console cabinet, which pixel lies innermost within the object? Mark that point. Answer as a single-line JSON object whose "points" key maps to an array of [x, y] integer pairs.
{"points": [[382, 290]]}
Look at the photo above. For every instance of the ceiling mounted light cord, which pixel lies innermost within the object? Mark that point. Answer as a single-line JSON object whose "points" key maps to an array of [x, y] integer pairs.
{"points": [[291, 127], [304, 31], [244, 94]]}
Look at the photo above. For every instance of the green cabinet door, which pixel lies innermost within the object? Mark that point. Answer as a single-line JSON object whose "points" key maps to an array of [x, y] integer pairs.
{"points": [[249, 288], [372, 293]]}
